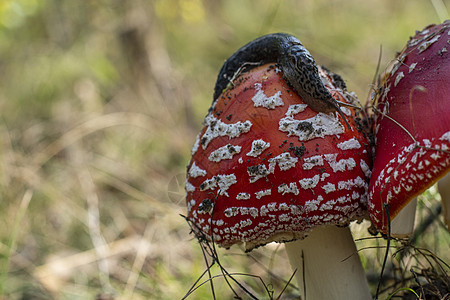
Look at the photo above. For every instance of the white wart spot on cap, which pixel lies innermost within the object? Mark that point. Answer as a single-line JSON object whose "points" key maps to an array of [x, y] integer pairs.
{"points": [[253, 211], [329, 205], [245, 223], [217, 128], [309, 183], [365, 168], [225, 152], [313, 161], [412, 66], [318, 126], [223, 182], [260, 99], [386, 90], [340, 165], [257, 172], [243, 196], [351, 184], [329, 187], [263, 193], [189, 186], [424, 46], [346, 111], [355, 195], [285, 161], [399, 76], [435, 156], [231, 212], [195, 171], [349, 144], [313, 205], [295, 109], [445, 136], [291, 188], [190, 204], [398, 63], [197, 143], [258, 146]]}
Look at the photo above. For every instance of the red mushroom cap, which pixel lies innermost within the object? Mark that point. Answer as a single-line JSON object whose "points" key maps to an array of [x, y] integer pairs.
{"points": [[412, 127], [267, 168]]}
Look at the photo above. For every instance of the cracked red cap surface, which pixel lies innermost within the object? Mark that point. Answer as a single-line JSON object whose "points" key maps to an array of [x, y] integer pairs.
{"points": [[265, 167], [412, 127]]}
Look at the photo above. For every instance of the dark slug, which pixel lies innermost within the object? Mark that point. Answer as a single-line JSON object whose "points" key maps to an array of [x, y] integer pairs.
{"points": [[297, 64]]}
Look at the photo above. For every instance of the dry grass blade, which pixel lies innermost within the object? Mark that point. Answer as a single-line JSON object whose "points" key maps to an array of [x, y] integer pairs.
{"points": [[93, 214], [91, 126], [13, 237], [143, 249], [54, 273], [133, 192]]}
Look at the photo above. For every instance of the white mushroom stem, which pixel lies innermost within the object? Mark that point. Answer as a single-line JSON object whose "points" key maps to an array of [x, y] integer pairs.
{"points": [[402, 226], [328, 265], [444, 190]]}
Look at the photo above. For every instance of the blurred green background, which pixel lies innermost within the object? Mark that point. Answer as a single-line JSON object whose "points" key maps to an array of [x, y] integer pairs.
{"points": [[100, 104]]}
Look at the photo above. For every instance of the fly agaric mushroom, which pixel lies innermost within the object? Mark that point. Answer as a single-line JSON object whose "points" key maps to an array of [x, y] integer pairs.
{"points": [[412, 130], [267, 168]]}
